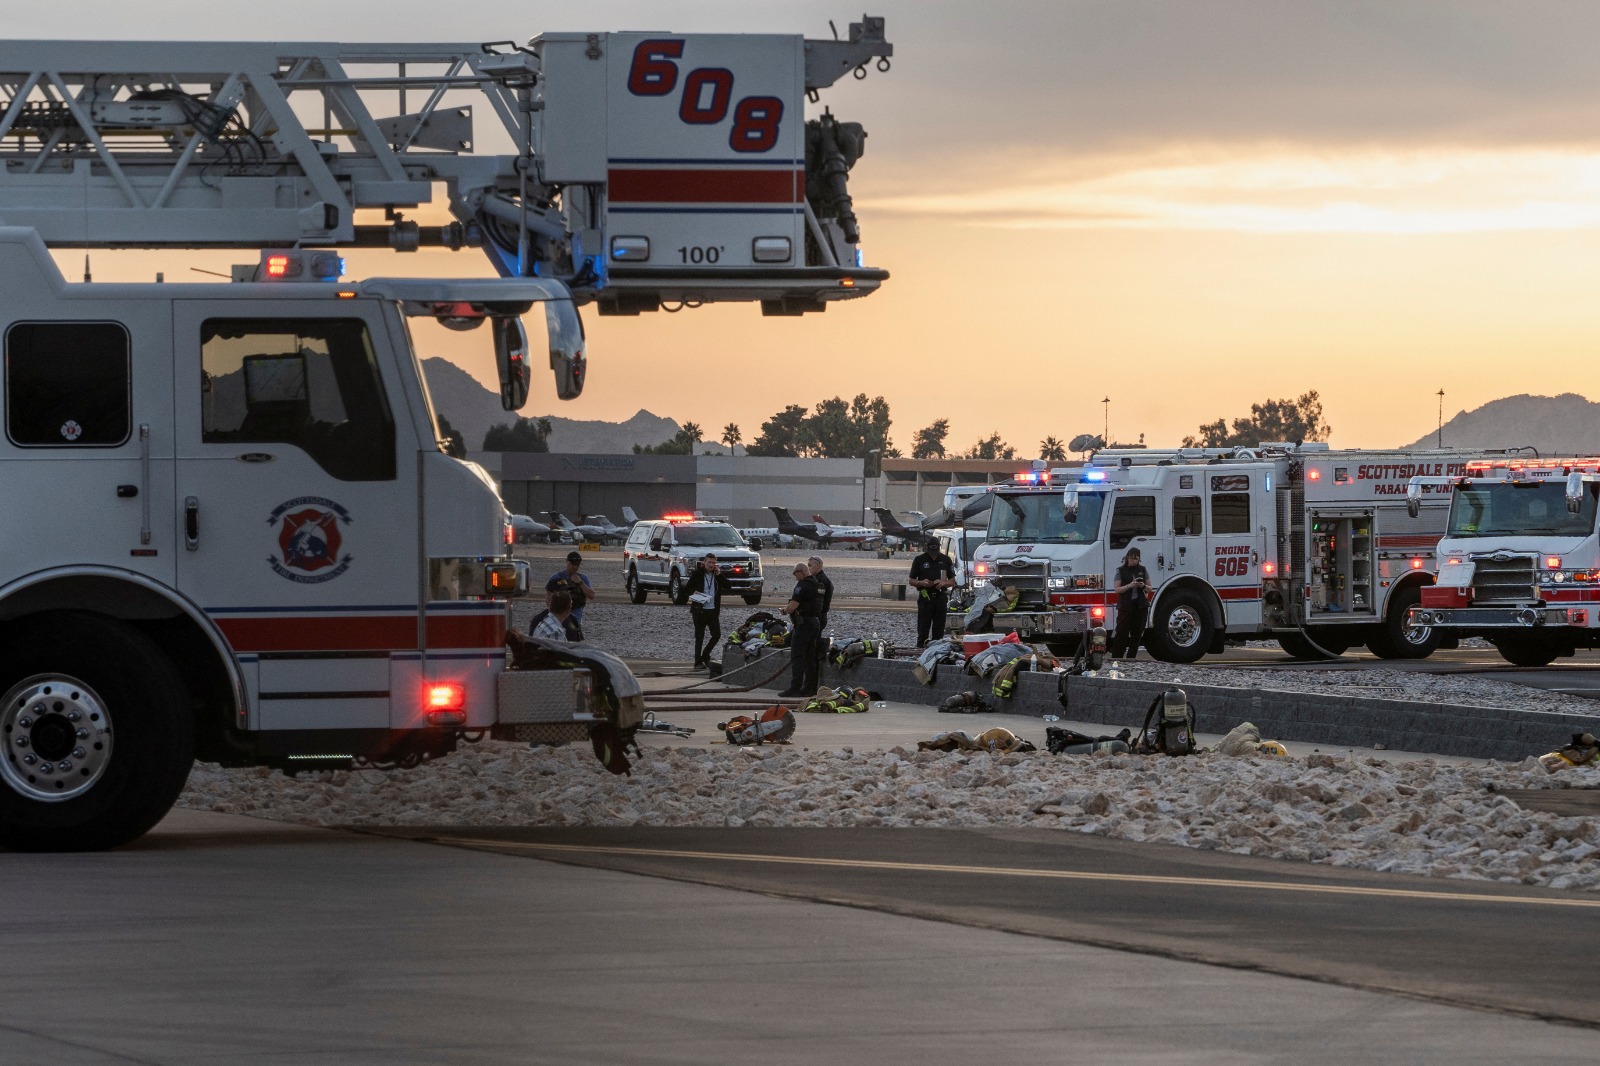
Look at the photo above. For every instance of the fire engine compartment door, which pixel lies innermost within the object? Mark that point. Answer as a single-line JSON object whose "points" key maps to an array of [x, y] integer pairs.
{"points": [[1237, 505], [296, 514], [1340, 563]]}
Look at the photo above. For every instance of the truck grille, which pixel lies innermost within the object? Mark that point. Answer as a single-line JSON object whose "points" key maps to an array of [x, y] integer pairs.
{"points": [[1503, 578], [1029, 576]]}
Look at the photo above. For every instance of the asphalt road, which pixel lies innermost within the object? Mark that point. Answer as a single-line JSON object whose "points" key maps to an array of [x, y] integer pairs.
{"points": [[222, 939]]}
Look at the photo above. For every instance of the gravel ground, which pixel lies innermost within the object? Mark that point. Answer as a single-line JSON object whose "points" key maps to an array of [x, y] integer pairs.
{"points": [[1418, 817]]}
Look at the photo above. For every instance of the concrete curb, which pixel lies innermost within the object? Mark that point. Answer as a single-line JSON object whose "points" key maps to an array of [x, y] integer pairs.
{"points": [[1503, 733]]}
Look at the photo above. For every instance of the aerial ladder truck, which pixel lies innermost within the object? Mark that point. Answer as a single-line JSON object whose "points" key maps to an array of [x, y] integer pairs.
{"points": [[232, 531]]}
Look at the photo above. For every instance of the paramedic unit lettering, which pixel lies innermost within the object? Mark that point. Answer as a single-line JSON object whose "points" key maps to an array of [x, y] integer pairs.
{"points": [[1520, 561], [248, 544], [1312, 546]]}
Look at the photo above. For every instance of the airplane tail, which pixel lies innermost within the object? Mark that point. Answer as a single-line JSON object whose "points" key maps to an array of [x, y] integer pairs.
{"points": [[886, 519], [628, 516], [564, 522], [782, 514], [822, 524]]}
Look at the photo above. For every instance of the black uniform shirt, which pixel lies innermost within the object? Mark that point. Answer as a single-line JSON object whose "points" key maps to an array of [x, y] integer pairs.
{"points": [[825, 586], [1130, 599], [932, 567], [809, 597]]}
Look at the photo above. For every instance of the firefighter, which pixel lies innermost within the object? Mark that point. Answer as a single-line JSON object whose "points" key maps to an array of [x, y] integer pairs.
{"points": [[933, 575], [805, 611], [1133, 606]]}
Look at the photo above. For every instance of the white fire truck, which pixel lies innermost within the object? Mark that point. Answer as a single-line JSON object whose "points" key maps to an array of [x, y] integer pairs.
{"points": [[1519, 563], [232, 531], [1312, 546]]}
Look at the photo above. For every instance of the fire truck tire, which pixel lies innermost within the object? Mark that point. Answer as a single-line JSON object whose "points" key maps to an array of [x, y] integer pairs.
{"points": [[1527, 651], [1300, 648], [675, 590], [636, 591], [1182, 631], [102, 702], [1393, 639]]}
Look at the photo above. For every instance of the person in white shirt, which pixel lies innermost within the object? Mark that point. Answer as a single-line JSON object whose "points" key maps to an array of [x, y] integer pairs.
{"points": [[706, 585], [557, 622]]}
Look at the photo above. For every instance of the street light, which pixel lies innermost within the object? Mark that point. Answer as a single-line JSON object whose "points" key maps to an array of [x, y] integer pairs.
{"points": [[865, 463]]}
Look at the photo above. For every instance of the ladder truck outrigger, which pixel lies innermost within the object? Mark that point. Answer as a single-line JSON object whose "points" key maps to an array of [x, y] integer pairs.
{"points": [[1308, 545], [1519, 564], [234, 532]]}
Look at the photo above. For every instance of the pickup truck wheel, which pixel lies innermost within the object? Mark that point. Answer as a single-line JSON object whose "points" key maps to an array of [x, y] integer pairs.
{"points": [[752, 598], [1393, 638], [675, 590], [636, 591], [1182, 630], [1527, 651], [97, 731]]}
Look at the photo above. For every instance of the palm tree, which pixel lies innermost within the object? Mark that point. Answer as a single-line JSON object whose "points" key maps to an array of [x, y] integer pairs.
{"points": [[1053, 449], [732, 437], [691, 432]]}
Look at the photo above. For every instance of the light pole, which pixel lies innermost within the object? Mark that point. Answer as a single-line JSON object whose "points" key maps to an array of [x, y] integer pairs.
{"points": [[1440, 441], [865, 465], [1106, 433]]}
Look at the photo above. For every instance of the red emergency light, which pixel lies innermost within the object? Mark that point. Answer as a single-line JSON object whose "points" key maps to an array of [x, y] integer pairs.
{"points": [[1313, 474], [277, 266], [1416, 564], [1552, 562], [982, 568], [445, 703], [1269, 569], [677, 518], [1097, 612]]}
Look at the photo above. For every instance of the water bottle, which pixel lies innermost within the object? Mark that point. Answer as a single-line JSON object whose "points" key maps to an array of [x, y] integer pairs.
{"points": [[880, 705]]}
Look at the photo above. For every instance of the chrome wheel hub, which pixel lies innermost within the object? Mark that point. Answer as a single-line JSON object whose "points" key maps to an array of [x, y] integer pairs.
{"points": [[1183, 626], [56, 733]]}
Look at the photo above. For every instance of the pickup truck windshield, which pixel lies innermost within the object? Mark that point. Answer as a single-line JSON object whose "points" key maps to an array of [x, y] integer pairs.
{"points": [[707, 537], [1036, 517], [1509, 508]]}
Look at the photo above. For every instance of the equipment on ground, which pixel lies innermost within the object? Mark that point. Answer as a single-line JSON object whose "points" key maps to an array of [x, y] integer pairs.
{"points": [[1062, 741], [1168, 727], [775, 725], [1583, 751], [652, 724]]}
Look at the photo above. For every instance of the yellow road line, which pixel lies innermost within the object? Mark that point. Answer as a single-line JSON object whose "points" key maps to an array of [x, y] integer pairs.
{"points": [[1022, 871]]}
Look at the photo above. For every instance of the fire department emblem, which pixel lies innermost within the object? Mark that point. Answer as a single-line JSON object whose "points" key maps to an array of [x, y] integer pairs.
{"points": [[309, 540]]}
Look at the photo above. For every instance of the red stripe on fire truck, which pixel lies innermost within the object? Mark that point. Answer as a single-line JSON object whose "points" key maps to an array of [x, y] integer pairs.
{"points": [[362, 633], [731, 186]]}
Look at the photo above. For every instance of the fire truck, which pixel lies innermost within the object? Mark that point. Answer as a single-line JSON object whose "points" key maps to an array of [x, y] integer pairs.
{"points": [[233, 531], [1519, 563], [1314, 547]]}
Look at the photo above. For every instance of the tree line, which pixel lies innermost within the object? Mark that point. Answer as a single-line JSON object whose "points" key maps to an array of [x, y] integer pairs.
{"points": [[859, 429]]}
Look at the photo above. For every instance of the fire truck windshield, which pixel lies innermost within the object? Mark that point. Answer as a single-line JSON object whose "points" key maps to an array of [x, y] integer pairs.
{"points": [[1511, 508], [1036, 517]]}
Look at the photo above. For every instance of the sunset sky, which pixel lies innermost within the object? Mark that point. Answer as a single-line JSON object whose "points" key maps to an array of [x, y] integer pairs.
{"points": [[1185, 206]]}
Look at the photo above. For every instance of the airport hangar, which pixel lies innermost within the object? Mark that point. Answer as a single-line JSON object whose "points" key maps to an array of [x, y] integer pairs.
{"points": [[740, 487]]}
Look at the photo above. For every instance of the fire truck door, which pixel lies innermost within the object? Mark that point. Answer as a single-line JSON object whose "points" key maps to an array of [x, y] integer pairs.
{"points": [[87, 454], [1133, 526], [1186, 541], [295, 516], [1234, 559]]}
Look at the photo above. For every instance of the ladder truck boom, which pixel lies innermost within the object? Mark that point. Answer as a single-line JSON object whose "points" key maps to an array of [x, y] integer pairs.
{"points": [[638, 169]]}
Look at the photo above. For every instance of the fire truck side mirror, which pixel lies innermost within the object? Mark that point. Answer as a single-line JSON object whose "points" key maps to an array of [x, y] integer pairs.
{"points": [[1574, 493], [1414, 497], [511, 360], [1069, 505], [567, 358]]}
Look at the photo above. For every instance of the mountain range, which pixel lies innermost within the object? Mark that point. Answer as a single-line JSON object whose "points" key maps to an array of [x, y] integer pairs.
{"points": [[471, 408], [1567, 424]]}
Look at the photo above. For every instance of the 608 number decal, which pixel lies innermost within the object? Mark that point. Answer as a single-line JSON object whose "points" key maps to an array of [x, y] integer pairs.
{"points": [[707, 96]]}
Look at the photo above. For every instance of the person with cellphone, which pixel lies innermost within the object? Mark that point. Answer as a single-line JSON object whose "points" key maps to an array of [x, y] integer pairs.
{"points": [[1133, 591]]}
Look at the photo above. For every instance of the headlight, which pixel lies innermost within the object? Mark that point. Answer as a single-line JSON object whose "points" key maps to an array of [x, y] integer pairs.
{"points": [[1058, 582]]}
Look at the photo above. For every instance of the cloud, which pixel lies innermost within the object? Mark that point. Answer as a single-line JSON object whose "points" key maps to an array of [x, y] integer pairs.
{"points": [[1281, 189]]}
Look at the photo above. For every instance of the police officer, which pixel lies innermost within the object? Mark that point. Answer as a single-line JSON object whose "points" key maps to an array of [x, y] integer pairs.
{"points": [[933, 575], [805, 613], [825, 590]]}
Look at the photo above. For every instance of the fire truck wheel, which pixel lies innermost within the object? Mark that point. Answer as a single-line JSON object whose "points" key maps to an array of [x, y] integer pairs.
{"points": [[97, 731], [1394, 639], [636, 591], [1527, 651], [1182, 631], [675, 590]]}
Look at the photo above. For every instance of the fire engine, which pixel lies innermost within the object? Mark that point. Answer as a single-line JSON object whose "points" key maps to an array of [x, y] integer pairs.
{"points": [[1519, 563], [233, 530], [1315, 547]]}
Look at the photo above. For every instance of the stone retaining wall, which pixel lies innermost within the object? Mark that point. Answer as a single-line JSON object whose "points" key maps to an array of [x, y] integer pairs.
{"points": [[1318, 718]]}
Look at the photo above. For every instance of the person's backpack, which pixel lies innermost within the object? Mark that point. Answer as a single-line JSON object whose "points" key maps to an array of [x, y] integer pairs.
{"points": [[1060, 741], [1168, 725]]}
